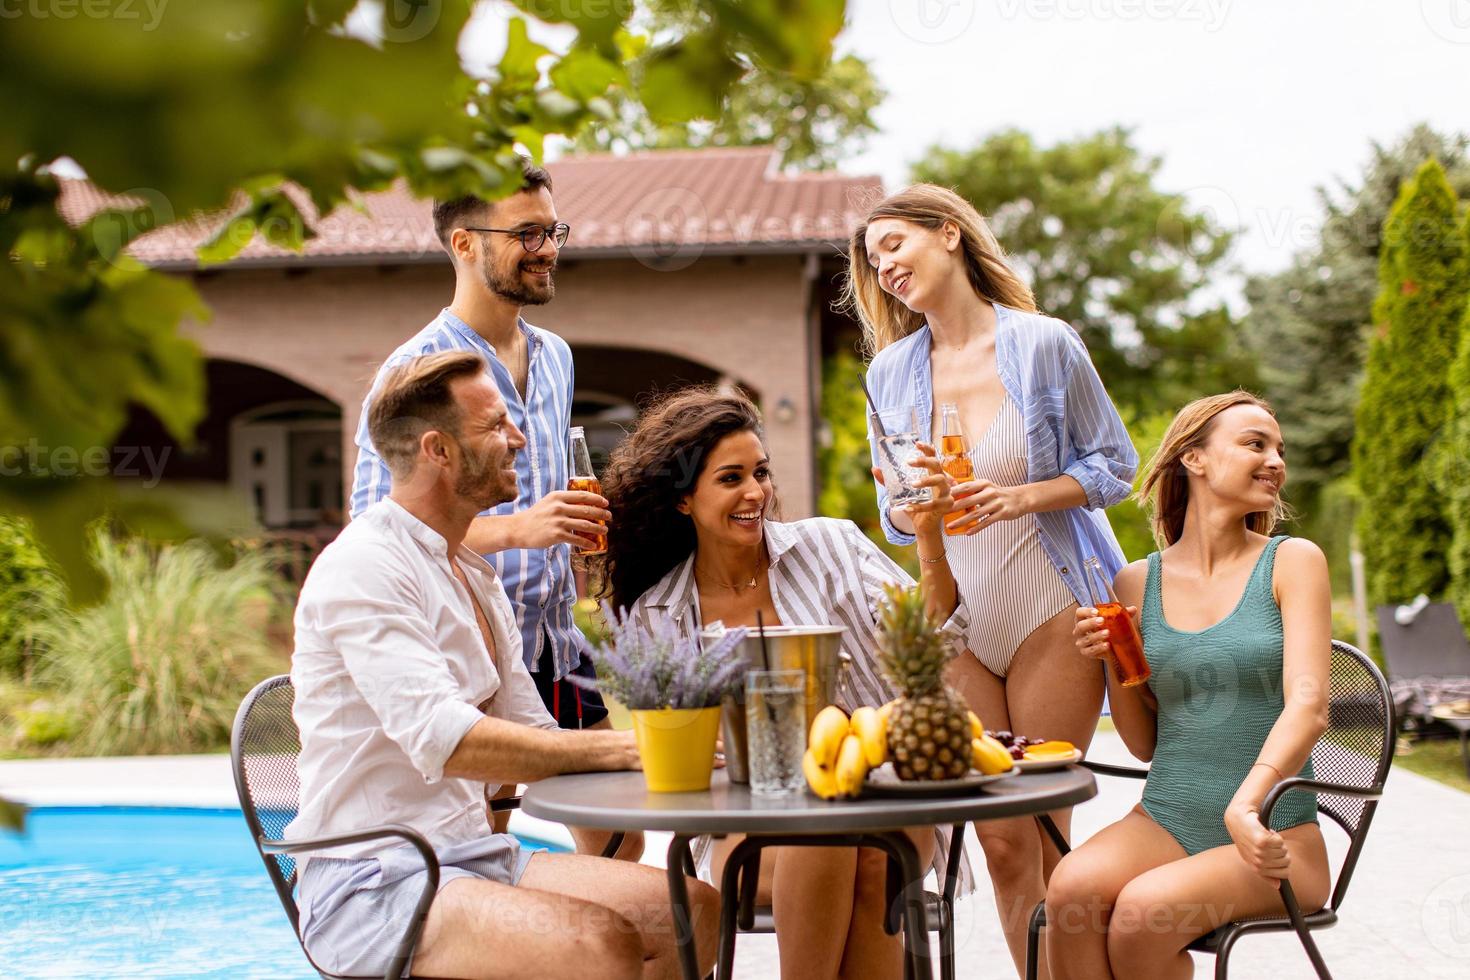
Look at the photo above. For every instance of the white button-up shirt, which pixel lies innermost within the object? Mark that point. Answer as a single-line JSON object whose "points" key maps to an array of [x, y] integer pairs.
{"points": [[391, 670]]}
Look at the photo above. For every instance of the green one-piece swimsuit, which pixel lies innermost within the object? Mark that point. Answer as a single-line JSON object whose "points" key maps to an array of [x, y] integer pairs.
{"points": [[1219, 692]]}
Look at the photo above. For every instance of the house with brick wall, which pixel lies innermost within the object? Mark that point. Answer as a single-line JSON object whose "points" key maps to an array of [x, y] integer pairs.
{"points": [[683, 266]]}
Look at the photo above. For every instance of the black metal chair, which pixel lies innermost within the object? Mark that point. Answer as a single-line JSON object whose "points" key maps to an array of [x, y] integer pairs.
{"points": [[742, 871], [264, 744], [1350, 763]]}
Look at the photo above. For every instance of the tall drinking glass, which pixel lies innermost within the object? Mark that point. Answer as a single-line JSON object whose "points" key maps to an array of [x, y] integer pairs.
{"points": [[897, 450], [775, 720], [1123, 638]]}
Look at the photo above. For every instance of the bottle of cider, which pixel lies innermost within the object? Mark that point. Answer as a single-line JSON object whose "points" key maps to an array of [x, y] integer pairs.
{"points": [[954, 453], [584, 479], [1124, 640]]}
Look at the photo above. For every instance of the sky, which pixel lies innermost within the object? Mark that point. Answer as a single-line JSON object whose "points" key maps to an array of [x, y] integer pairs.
{"points": [[1250, 104]]}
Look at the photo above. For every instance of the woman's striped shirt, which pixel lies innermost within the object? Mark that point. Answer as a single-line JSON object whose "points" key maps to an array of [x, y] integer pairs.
{"points": [[823, 572]]}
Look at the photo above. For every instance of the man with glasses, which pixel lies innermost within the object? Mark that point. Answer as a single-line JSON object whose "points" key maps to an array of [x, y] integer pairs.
{"points": [[504, 255]]}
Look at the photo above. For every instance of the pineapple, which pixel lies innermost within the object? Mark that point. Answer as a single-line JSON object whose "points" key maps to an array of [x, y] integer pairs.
{"points": [[929, 729]]}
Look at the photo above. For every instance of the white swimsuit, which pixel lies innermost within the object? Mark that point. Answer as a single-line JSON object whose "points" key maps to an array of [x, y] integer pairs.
{"points": [[1009, 585]]}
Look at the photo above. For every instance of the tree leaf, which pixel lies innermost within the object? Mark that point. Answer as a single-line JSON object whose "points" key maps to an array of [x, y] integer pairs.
{"points": [[685, 80], [522, 55], [583, 74]]}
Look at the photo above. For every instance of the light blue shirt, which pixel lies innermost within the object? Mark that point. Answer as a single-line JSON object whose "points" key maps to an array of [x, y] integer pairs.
{"points": [[538, 581], [1072, 428]]}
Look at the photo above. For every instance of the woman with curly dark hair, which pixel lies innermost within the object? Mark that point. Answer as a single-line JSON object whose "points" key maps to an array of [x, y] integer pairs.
{"points": [[690, 491]]}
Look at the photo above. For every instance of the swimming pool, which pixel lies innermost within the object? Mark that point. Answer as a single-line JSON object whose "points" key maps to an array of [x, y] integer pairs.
{"points": [[101, 892]]}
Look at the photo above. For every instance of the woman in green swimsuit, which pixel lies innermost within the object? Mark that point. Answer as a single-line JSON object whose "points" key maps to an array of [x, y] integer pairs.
{"points": [[1237, 630]]}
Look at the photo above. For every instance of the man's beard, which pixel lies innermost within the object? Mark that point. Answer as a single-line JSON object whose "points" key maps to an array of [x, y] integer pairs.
{"points": [[480, 480], [514, 288]]}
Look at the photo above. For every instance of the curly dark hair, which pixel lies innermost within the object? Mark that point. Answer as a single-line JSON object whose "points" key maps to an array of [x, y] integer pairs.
{"points": [[651, 472]]}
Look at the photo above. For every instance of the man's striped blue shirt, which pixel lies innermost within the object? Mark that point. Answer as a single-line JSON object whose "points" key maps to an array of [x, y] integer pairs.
{"points": [[538, 581]]}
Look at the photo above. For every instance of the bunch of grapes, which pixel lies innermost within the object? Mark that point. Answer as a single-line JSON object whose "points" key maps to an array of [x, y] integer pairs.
{"points": [[1015, 744]]}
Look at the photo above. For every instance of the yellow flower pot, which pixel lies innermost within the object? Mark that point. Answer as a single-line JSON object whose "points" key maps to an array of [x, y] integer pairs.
{"points": [[677, 747]]}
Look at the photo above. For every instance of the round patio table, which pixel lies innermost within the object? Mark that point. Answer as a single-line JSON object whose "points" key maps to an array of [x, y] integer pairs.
{"points": [[621, 801]]}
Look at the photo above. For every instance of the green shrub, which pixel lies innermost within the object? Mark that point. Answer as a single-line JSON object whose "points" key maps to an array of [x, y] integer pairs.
{"points": [[1330, 525], [1453, 471], [844, 460], [160, 664], [1129, 518], [588, 616], [29, 590], [43, 726], [1424, 278]]}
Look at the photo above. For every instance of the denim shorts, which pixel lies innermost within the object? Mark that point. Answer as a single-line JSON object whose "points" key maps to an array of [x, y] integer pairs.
{"points": [[354, 911]]}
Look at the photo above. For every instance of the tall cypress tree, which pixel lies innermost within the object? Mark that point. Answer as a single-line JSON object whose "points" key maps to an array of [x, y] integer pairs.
{"points": [[1309, 324], [1424, 280], [1454, 467]]}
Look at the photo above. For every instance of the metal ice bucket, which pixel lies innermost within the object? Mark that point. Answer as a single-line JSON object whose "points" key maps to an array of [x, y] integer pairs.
{"points": [[814, 649]]}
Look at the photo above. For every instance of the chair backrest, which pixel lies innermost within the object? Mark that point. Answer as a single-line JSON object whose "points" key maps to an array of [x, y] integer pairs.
{"points": [[1433, 645], [264, 744], [1356, 750]]}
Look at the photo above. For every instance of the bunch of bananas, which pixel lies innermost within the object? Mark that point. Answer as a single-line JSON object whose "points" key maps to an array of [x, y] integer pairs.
{"points": [[841, 750]]}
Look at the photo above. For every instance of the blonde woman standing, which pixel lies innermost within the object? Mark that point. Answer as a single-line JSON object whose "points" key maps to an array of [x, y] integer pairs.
{"points": [[949, 322]]}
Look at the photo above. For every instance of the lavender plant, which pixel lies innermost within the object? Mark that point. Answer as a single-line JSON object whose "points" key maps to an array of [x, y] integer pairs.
{"points": [[662, 667]]}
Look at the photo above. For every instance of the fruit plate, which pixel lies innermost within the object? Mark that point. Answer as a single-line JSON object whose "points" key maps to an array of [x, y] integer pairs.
{"points": [[1046, 765], [883, 781]]}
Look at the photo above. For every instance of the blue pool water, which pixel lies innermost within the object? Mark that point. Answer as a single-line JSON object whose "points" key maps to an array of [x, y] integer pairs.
{"points": [[102, 892]]}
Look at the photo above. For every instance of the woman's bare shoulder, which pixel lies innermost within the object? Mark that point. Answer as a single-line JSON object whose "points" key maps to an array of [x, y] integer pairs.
{"points": [[1300, 563], [1129, 581]]}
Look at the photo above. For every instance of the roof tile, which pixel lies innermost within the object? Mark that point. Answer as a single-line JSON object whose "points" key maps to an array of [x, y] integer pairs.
{"points": [[663, 200]]}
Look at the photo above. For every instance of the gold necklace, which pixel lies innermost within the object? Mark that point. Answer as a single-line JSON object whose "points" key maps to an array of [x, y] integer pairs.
{"points": [[738, 587]]}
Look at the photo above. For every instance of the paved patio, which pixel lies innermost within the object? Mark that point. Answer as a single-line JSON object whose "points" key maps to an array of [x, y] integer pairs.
{"points": [[1407, 912]]}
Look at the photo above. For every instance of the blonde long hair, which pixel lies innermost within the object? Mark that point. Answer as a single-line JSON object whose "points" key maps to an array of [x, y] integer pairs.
{"points": [[884, 319], [1164, 489]]}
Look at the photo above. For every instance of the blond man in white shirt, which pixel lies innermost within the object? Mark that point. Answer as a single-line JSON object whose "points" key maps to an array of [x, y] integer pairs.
{"points": [[414, 705]]}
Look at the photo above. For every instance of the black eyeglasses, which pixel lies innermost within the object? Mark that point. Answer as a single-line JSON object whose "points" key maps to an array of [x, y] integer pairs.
{"points": [[534, 237]]}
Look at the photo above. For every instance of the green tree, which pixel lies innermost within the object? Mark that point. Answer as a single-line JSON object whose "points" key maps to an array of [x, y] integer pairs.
{"points": [[814, 121], [843, 458], [1424, 281], [1309, 324], [1453, 466], [28, 590], [1129, 518], [224, 105], [1106, 250]]}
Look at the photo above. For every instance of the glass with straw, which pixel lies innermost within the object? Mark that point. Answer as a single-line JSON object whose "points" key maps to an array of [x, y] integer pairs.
{"points": [[775, 720]]}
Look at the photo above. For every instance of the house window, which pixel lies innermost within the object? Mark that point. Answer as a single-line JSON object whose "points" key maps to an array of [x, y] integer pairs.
{"points": [[287, 459]]}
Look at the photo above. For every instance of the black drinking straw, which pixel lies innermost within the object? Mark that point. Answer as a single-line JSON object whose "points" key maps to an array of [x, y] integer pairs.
{"points": [[877, 421], [760, 624]]}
